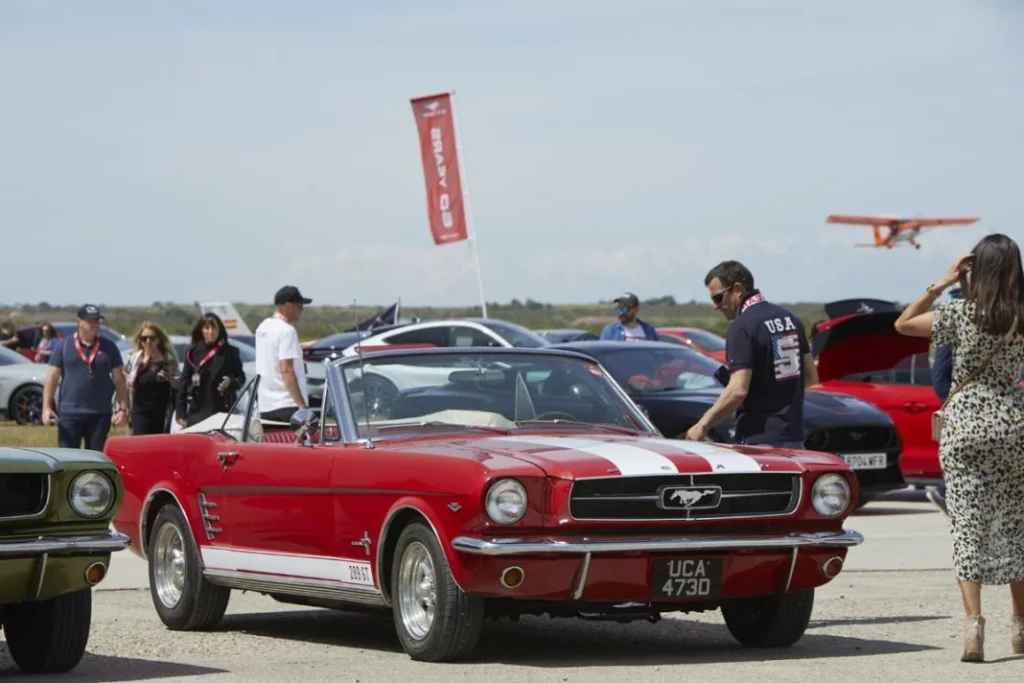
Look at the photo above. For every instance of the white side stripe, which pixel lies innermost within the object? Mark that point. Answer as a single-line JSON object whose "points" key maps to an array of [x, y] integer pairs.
{"points": [[627, 458], [348, 572], [720, 459]]}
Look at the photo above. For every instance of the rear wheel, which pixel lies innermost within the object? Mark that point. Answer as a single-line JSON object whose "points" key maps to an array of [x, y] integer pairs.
{"points": [[435, 620], [49, 636], [769, 621], [183, 597]]}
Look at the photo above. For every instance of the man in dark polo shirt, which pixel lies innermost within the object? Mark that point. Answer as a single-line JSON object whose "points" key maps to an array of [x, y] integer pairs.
{"points": [[769, 360], [88, 369]]}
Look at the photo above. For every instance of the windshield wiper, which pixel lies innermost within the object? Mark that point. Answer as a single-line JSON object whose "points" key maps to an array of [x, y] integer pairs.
{"points": [[438, 423], [579, 423]]}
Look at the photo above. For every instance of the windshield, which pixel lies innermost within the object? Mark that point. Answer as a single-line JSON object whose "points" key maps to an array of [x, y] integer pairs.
{"points": [[671, 368], [8, 357], [490, 391], [515, 335], [709, 341]]}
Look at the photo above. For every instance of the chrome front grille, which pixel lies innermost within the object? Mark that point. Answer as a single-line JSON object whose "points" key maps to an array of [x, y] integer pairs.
{"points": [[23, 495], [685, 496]]}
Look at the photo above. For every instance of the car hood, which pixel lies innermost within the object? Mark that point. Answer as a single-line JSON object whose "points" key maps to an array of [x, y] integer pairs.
{"points": [[821, 408], [590, 454], [47, 460], [862, 342]]}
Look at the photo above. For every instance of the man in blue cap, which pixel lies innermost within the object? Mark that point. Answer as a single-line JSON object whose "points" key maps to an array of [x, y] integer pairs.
{"points": [[942, 378], [628, 327]]}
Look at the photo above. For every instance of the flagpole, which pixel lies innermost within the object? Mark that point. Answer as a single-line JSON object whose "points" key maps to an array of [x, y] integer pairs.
{"points": [[470, 227]]}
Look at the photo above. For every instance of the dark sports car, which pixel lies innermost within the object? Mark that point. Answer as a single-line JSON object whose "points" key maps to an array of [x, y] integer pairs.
{"points": [[675, 385]]}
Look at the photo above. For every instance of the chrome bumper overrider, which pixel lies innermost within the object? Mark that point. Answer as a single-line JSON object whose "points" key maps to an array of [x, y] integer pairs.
{"points": [[65, 545], [518, 546]]}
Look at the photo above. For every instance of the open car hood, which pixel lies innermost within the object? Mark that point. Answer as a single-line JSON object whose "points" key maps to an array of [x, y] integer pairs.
{"points": [[862, 342]]}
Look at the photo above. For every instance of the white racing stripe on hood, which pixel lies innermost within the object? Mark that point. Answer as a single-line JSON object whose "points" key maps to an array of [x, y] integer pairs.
{"points": [[723, 460], [627, 458]]}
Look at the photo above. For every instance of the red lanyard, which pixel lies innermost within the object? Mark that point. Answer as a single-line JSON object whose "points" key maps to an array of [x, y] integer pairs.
{"points": [[209, 354], [756, 299], [92, 355]]}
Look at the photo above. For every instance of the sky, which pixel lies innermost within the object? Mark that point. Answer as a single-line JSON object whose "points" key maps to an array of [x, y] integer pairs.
{"points": [[186, 150]]}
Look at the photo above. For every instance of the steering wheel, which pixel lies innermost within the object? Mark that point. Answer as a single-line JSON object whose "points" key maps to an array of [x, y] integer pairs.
{"points": [[554, 415]]}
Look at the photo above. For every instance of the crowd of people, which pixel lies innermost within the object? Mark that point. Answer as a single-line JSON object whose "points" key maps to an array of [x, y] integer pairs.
{"points": [[981, 445], [88, 370]]}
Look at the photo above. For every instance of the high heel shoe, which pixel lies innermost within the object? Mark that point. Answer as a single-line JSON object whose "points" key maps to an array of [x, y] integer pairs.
{"points": [[974, 639], [1017, 637]]}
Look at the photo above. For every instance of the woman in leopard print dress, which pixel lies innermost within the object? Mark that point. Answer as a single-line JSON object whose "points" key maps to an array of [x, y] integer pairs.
{"points": [[982, 444]]}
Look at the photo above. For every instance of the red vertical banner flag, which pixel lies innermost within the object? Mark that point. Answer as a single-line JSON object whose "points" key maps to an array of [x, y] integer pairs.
{"points": [[436, 130]]}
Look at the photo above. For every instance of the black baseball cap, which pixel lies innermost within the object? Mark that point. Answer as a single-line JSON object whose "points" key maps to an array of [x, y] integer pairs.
{"points": [[290, 294], [89, 312], [629, 298]]}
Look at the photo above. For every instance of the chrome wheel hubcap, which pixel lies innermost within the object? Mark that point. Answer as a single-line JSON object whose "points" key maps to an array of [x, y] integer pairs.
{"points": [[417, 590], [169, 565]]}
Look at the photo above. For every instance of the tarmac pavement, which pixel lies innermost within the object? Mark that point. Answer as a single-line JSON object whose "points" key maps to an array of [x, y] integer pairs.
{"points": [[894, 614]]}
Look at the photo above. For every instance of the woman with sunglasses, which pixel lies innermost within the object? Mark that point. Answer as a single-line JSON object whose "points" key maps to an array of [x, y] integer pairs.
{"points": [[151, 379]]}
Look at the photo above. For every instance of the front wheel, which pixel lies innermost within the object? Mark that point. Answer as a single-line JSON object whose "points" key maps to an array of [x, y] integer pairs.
{"points": [[769, 621], [26, 407], [435, 620], [49, 636], [183, 597]]}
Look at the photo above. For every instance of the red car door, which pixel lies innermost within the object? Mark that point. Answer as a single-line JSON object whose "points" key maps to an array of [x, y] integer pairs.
{"points": [[275, 507]]}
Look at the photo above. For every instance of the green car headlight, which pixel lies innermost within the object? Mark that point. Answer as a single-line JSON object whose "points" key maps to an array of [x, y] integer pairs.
{"points": [[91, 494]]}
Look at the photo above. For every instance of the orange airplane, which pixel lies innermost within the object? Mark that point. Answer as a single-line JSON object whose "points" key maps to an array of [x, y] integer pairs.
{"points": [[899, 229]]}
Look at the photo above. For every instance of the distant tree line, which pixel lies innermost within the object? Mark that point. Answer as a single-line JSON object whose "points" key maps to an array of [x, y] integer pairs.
{"points": [[319, 321]]}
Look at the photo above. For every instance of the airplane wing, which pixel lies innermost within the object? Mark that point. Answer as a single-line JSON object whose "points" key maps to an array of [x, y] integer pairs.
{"points": [[936, 222], [863, 220]]}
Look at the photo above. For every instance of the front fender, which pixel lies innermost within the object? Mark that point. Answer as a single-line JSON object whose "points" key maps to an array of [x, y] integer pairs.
{"points": [[443, 522]]}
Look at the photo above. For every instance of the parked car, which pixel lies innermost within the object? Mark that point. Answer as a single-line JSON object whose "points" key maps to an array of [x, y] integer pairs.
{"points": [[862, 355], [567, 335], [482, 482], [708, 343], [466, 332], [676, 386], [55, 545], [29, 336], [21, 388]]}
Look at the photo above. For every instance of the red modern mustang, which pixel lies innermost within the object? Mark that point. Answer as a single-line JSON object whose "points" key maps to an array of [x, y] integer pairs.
{"points": [[708, 343], [448, 485], [862, 355]]}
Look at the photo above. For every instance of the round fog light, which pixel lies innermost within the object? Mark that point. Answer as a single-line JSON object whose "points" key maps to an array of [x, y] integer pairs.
{"points": [[512, 577], [95, 572]]}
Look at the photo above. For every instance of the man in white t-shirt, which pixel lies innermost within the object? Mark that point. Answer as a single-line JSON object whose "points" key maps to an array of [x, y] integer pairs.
{"points": [[279, 360]]}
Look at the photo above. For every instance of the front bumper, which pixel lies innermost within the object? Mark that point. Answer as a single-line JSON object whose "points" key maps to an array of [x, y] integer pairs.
{"points": [[517, 546], [47, 567], [108, 542]]}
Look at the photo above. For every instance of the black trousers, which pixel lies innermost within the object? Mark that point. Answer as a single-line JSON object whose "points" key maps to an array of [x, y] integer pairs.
{"points": [[149, 421], [279, 415], [93, 427]]}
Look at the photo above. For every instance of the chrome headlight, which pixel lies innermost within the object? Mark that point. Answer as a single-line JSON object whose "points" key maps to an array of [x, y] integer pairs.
{"points": [[830, 495], [91, 494], [506, 501]]}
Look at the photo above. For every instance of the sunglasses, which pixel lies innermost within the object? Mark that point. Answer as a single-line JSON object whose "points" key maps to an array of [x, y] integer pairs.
{"points": [[621, 309], [147, 338], [718, 296]]}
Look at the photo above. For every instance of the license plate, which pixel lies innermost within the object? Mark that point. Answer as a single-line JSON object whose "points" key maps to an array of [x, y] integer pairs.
{"points": [[865, 461], [689, 577]]}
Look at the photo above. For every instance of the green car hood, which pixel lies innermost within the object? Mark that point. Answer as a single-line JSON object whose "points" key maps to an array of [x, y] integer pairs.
{"points": [[48, 460]]}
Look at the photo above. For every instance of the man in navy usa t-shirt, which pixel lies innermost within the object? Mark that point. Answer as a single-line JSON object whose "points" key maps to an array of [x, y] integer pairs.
{"points": [[769, 360]]}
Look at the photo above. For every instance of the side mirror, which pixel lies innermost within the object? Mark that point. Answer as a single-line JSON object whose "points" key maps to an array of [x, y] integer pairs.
{"points": [[303, 422], [722, 375]]}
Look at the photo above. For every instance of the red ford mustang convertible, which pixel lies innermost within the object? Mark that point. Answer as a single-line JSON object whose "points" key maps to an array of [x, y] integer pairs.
{"points": [[450, 485]]}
